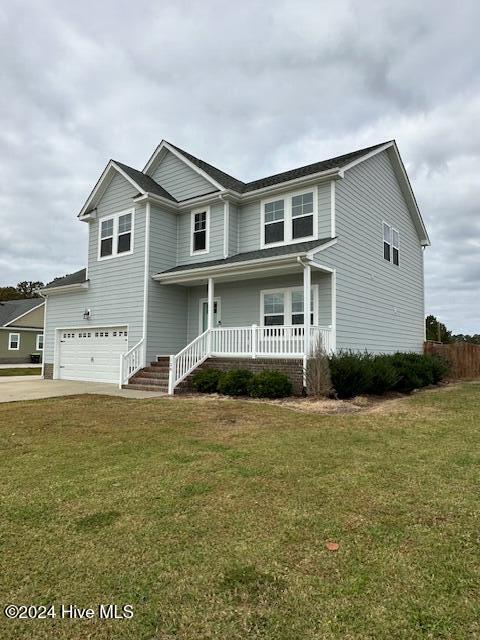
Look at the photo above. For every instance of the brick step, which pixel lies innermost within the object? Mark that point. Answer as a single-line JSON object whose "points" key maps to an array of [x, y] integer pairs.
{"points": [[164, 361], [146, 387], [160, 382], [152, 372]]}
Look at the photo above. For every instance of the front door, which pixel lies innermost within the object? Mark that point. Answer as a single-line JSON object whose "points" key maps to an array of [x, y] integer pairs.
{"points": [[217, 314]]}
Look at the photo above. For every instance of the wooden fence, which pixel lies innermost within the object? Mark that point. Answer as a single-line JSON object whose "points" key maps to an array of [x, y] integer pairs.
{"points": [[463, 357]]}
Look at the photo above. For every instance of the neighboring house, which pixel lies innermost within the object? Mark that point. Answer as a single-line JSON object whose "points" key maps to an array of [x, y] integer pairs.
{"points": [[186, 262], [21, 330]]}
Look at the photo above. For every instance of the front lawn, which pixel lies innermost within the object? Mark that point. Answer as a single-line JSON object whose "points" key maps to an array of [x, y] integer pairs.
{"points": [[211, 518], [21, 371]]}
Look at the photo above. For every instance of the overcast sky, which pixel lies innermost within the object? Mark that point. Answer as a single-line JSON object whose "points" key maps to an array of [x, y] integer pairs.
{"points": [[252, 87]]}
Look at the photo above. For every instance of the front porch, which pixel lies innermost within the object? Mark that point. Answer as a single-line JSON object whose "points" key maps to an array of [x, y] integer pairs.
{"points": [[256, 315]]}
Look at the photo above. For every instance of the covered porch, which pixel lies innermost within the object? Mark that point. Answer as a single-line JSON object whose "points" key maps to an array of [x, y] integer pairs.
{"points": [[241, 312]]}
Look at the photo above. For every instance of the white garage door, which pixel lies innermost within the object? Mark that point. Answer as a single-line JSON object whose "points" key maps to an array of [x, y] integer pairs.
{"points": [[91, 354]]}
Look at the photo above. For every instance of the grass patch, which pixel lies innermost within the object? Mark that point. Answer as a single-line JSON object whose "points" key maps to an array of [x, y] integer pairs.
{"points": [[21, 371], [212, 519]]}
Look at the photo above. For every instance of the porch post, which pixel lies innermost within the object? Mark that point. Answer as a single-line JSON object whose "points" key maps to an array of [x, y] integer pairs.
{"points": [[210, 310], [307, 285]]}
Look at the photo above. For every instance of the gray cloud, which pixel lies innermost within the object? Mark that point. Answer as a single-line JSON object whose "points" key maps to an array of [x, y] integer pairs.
{"points": [[254, 88]]}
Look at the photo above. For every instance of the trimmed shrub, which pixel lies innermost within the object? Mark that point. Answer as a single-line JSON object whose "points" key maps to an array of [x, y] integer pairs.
{"points": [[235, 382], [270, 384], [440, 368], [206, 381], [384, 376], [351, 373], [414, 371]]}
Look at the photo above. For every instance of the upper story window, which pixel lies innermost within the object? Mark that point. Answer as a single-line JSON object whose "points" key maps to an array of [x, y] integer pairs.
{"points": [[289, 219], [116, 235], [200, 231], [13, 341], [391, 244]]}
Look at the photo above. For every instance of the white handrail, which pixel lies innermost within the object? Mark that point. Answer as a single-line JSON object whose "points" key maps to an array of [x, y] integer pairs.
{"points": [[131, 362], [188, 359]]}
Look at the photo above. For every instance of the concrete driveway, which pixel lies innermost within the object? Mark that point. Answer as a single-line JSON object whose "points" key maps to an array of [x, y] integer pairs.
{"points": [[24, 388]]}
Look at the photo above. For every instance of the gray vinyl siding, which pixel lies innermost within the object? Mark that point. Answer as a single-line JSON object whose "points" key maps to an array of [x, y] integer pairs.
{"points": [[233, 230], [250, 219], [380, 306], [180, 180], [167, 304], [115, 294], [216, 236], [240, 301]]}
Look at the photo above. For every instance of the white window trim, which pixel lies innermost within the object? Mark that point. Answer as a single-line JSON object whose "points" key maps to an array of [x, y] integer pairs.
{"points": [[207, 229], [392, 246], [37, 346], [115, 218], [287, 304], [10, 336], [287, 220], [200, 312]]}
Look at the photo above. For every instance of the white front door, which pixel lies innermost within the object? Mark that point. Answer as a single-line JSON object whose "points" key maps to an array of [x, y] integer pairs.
{"points": [[217, 314], [91, 354]]}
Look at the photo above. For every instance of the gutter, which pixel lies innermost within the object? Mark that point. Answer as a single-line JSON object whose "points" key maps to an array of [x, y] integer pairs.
{"points": [[66, 288]]}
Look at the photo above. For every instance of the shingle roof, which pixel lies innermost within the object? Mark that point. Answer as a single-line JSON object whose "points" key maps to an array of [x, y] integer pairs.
{"points": [[145, 182], [72, 278], [284, 250], [11, 309], [230, 182]]}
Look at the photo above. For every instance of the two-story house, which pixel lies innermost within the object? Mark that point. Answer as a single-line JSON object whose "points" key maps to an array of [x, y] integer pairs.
{"points": [[187, 263]]}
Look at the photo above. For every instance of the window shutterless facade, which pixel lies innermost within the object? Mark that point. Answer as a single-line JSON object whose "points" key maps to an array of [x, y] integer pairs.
{"points": [[13, 341], [200, 231], [39, 342], [288, 219], [116, 235], [391, 244], [285, 306]]}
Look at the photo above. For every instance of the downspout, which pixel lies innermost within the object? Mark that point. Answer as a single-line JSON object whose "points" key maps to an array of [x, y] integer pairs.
{"points": [[226, 225], [307, 275], [44, 333], [145, 282]]}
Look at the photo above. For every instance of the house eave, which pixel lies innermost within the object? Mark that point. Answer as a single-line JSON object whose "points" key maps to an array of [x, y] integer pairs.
{"points": [[67, 288]]}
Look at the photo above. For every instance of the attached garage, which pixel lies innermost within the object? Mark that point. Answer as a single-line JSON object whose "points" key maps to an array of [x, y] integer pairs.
{"points": [[91, 354]]}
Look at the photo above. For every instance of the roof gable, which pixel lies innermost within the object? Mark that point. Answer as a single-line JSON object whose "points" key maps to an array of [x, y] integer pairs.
{"points": [[12, 310]]}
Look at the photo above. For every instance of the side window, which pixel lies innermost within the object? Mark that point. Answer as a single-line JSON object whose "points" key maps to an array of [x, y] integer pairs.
{"points": [[39, 345], [200, 227], [13, 341], [387, 241], [116, 235], [391, 244], [274, 221]]}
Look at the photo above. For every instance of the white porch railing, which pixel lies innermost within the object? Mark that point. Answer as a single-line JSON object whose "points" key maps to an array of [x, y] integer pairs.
{"points": [[246, 342], [188, 359], [131, 362]]}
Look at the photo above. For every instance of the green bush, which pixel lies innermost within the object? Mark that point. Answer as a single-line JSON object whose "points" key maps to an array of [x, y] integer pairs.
{"points": [[351, 373], [235, 382], [440, 368], [206, 381], [270, 384], [414, 371], [384, 376]]}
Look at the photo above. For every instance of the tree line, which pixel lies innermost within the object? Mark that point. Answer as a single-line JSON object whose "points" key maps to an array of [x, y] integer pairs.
{"points": [[437, 331], [23, 290]]}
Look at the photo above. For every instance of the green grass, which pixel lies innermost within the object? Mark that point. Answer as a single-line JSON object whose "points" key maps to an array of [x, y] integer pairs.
{"points": [[211, 518], [21, 371]]}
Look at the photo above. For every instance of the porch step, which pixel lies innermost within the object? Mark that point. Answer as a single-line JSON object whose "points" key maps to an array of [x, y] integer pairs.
{"points": [[152, 372], [152, 382], [145, 387]]}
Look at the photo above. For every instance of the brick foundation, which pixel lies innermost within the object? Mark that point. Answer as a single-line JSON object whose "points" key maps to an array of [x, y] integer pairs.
{"points": [[48, 371], [293, 369]]}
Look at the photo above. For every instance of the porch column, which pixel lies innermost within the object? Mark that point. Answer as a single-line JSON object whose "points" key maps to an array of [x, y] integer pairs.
{"points": [[307, 285], [210, 310], [211, 293]]}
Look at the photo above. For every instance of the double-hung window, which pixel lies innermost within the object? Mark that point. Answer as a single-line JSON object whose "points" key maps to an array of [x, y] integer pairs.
{"points": [[289, 219], [13, 341], [200, 231], [116, 235], [284, 307], [39, 344], [391, 244]]}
